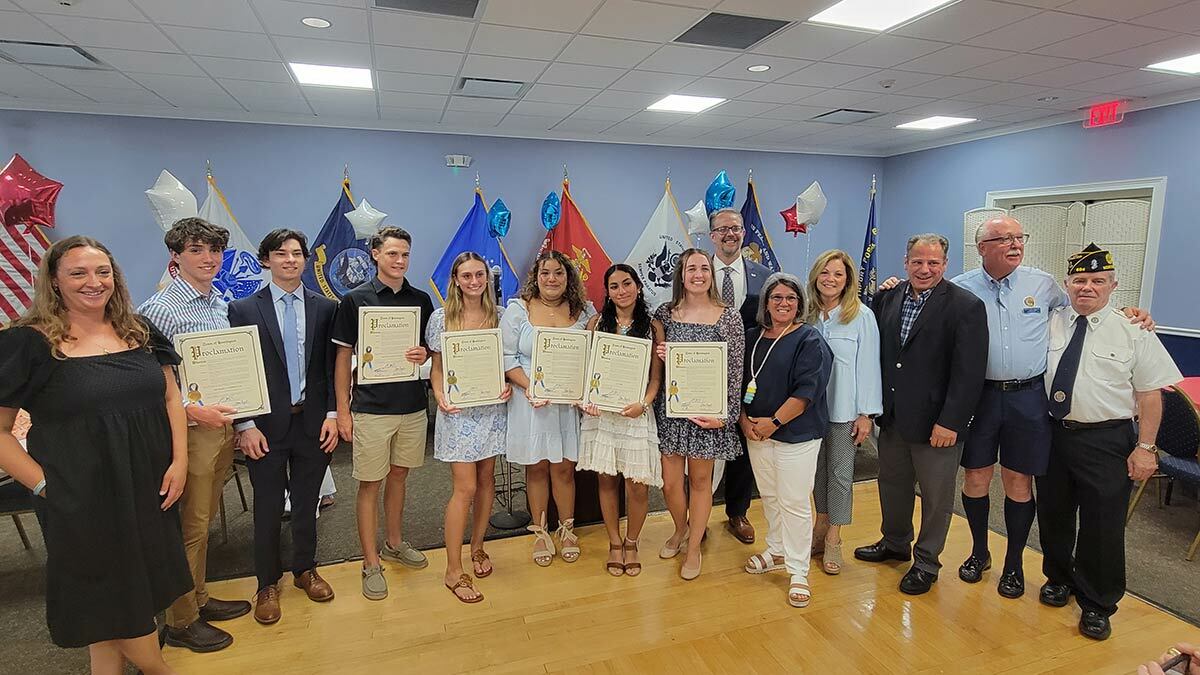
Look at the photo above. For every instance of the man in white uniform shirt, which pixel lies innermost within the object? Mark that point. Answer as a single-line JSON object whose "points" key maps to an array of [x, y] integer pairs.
{"points": [[1101, 373]]}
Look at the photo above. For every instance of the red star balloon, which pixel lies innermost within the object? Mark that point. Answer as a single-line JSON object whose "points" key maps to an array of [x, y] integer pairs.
{"points": [[791, 223], [26, 196]]}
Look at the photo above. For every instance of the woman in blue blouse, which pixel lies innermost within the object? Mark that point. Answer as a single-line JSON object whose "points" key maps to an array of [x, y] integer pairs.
{"points": [[855, 394]]}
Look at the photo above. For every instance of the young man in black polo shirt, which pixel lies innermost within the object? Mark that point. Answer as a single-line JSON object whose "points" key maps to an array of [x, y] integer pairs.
{"points": [[386, 422]]}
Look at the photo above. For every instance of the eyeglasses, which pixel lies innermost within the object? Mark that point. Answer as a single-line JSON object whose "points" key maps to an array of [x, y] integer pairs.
{"points": [[730, 229], [1007, 239], [784, 299]]}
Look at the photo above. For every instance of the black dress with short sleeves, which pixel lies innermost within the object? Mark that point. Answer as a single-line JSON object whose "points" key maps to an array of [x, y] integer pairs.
{"points": [[100, 431]]}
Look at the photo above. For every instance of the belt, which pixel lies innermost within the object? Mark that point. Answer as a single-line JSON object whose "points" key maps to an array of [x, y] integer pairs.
{"points": [[298, 408], [1014, 385], [1106, 424]]}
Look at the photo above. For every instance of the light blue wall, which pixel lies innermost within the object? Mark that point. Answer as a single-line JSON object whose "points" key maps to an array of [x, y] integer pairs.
{"points": [[279, 176], [930, 190]]}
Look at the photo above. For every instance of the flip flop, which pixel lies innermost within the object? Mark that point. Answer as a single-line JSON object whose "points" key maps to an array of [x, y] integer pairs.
{"points": [[464, 581]]}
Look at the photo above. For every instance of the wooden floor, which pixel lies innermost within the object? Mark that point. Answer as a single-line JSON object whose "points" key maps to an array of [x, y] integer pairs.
{"points": [[577, 618]]}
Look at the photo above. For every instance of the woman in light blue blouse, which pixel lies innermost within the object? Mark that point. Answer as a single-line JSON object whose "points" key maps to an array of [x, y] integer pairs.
{"points": [[855, 394]]}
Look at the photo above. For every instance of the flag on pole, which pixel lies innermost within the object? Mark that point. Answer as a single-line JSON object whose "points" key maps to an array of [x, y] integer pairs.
{"points": [[21, 249], [339, 261], [473, 235], [757, 243], [657, 251], [241, 274], [867, 270], [573, 237]]}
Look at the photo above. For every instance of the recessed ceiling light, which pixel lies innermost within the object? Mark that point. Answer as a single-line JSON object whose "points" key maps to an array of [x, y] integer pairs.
{"points": [[687, 104], [876, 14], [936, 122], [332, 76], [1047, 99], [1185, 65], [760, 68], [315, 22]]}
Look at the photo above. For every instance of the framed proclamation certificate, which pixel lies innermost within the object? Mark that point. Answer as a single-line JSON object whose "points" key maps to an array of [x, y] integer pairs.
{"points": [[384, 334], [472, 367], [558, 364], [224, 367], [618, 370], [697, 379]]}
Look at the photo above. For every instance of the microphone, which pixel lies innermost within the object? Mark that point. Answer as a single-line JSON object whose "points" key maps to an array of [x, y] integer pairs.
{"points": [[496, 282]]}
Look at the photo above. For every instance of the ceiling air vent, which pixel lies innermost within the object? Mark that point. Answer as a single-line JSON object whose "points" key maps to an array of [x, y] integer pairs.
{"points": [[48, 54], [730, 31], [481, 87], [845, 116], [461, 8]]}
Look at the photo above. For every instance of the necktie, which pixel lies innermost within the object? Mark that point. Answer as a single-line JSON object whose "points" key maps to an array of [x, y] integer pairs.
{"points": [[291, 345], [1068, 368], [727, 287]]}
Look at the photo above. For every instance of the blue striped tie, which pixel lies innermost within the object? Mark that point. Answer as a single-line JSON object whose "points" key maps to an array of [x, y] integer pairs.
{"points": [[291, 345]]}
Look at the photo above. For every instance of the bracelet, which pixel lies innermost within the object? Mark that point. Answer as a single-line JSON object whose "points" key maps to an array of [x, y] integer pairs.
{"points": [[40, 487]]}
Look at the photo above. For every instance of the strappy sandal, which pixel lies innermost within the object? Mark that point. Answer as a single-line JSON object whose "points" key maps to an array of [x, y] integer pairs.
{"points": [[761, 563], [632, 569], [542, 558], [615, 569], [477, 559], [667, 551], [464, 581], [566, 530], [799, 594], [832, 562]]}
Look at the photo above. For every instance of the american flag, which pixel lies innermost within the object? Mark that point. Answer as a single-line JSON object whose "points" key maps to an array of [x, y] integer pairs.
{"points": [[21, 249]]}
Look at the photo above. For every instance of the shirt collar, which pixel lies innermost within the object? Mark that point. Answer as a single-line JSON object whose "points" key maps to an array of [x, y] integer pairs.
{"points": [[1005, 282], [738, 265], [1095, 319], [277, 293], [379, 286], [189, 292]]}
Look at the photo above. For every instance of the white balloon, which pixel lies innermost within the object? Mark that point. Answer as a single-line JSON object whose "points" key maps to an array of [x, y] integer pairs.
{"points": [[366, 219], [810, 204], [696, 219], [170, 200]]}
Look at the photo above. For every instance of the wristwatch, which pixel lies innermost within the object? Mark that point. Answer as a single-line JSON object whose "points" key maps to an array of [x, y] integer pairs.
{"points": [[1149, 447], [776, 422]]}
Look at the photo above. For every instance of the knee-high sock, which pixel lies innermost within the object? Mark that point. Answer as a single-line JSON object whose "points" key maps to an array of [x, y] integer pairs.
{"points": [[1018, 518], [977, 509]]}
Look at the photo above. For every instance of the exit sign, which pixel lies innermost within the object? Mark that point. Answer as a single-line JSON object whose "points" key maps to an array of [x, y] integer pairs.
{"points": [[1104, 114]]}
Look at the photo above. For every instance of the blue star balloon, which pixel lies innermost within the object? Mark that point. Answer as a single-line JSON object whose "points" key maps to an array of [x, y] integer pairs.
{"points": [[499, 218], [720, 194], [551, 211]]}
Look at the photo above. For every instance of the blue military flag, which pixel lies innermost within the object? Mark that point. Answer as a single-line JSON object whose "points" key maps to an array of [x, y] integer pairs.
{"points": [[473, 235], [867, 273], [339, 261], [757, 243]]}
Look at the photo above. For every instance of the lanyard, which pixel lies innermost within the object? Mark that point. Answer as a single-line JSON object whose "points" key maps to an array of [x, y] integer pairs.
{"points": [[752, 388]]}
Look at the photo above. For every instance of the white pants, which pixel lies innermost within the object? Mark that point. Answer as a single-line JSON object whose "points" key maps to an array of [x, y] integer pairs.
{"points": [[785, 473]]}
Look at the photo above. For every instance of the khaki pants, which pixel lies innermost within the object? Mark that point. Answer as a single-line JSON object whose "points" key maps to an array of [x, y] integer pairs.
{"points": [[210, 455]]}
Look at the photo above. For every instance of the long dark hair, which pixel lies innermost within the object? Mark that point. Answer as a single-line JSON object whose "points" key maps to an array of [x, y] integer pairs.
{"points": [[641, 311], [575, 293]]}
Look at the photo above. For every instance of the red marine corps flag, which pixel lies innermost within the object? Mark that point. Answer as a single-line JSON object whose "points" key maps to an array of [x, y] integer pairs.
{"points": [[573, 237]]}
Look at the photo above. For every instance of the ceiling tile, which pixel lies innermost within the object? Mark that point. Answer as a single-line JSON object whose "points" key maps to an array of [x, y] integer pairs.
{"points": [[522, 43], [106, 33], [424, 84], [1117, 10], [717, 87], [122, 96], [538, 108], [798, 113], [954, 59], [595, 112], [189, 92], [686, 60], [283, 18], [565, 15], [243, 89], [1169, 87], [500, 68], [885, 51], [943, 107], [324, 52], [423, 61], [633, 129], [808, 41], [1105, 41], [1015, 67], [147, 62], [403, 29], [529, 122], [964, 20], [72, 77], [747, 108], [574, 124], [780, 67], [36, 87], [21, 26], [1068, 75], [413, 101], [837, 98], [410, 115], [780, 93], [1025, 115], [96, 9], [242, 69], [642, 21], [1129, 79], [827, 75], [947, 87], [994, 111], [554, 93], [470, 119], [1062, 99], [712, 119], [219, 14], [1001, 91], [898, 80], [602, 51], [485, 105], [893, 103], [206, 42], [1139, 57], [584, 76], [1184, 18], [1038, 31], [343, 104], [788, 10], [613, 98], [655, 83]]}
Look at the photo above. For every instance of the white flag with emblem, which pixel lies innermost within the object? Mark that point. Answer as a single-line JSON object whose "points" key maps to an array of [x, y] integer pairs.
{"points": [[241, 274], [656, 252]]}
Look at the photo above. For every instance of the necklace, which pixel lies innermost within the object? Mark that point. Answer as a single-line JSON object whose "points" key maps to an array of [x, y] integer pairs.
{"points": [[752, 388]]}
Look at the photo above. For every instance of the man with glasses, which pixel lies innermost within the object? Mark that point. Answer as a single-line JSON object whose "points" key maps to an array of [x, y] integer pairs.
{"points": [[739, 282]]}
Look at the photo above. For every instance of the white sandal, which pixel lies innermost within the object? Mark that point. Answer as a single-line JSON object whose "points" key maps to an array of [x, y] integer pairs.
{"points": [[542, 558], [799, 594], [566, 530], [761, 563]]}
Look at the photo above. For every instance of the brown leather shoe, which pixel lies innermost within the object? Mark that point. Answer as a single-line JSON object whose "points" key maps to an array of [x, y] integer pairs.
{"points": [[318, 589], [266, 605], [741, 529]]}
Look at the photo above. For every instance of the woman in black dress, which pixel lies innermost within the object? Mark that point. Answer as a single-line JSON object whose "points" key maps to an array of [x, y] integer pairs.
{"points": [[107, 455]]}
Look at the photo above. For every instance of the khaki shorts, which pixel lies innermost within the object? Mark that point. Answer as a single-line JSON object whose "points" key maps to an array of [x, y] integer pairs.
{"points": [[381, 441]]}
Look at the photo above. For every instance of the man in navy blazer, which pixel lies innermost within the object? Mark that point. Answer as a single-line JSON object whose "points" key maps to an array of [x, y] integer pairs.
{"points": [[739, 281], [288, 448]]}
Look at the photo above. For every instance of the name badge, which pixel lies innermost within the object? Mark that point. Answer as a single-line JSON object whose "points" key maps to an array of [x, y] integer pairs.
{"points": [[1032, 310]]}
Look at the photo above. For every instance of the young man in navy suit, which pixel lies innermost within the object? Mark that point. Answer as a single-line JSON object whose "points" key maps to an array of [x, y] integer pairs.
{"points": [[289, 448]]}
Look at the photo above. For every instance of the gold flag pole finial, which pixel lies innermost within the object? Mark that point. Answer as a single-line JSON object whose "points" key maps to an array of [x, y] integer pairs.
{"points": [[750, 179], [668, 174], [872, 186], [476, 180], [565, 176], [208, 168], [346, 171]]}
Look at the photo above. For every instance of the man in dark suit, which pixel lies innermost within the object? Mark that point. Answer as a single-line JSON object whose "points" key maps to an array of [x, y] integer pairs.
{"points": [[934, 345], [288, 449], [739, 281]]}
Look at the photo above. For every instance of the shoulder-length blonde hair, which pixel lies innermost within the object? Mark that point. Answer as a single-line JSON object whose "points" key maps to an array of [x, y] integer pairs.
{"points": [[576, 294], [48, 314], [454, 295], [677, 279], [849, 301]]}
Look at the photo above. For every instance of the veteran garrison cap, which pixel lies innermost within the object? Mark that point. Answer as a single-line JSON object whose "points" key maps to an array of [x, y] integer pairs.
{"points": [[1091, 259]]}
